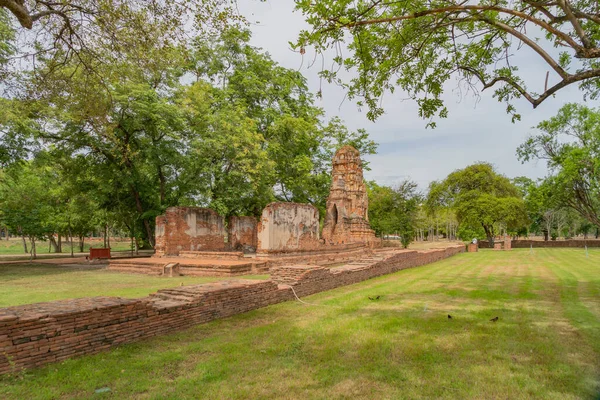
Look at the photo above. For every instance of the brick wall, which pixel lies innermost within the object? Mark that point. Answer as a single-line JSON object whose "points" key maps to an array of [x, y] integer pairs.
{"points": [[189, 228], [37, 334], [288, 227], [242, 233]]}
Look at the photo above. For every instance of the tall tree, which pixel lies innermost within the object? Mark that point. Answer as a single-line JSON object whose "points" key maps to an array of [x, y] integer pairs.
{"points": [[570, 143], [244, 133], [482, 199], [298, 142], [89, 33], [394, 210], [419, 45]]}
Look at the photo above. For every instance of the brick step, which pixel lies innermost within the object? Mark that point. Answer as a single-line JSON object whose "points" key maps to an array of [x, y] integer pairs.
{"points": [[214, 255], [193, 271], [261, 268], [138, 269]]}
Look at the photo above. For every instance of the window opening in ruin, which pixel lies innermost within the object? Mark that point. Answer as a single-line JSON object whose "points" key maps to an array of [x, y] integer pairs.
{"points": [[334, 212]]}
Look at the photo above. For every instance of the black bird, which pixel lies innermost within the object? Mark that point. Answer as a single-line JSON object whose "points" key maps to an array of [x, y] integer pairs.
{"points": [[370, 298], [494, 319], [377, 298], [449, 316]]}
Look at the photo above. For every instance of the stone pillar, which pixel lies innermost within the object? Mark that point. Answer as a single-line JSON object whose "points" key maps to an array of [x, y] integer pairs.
{"points": [[473, 248], [497, 245]]}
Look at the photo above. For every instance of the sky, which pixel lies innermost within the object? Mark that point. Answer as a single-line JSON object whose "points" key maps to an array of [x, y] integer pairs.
{"points": [[477, 128]]}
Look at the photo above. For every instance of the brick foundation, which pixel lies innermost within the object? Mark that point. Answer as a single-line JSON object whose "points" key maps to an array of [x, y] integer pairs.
{"points": [[37, 334]]}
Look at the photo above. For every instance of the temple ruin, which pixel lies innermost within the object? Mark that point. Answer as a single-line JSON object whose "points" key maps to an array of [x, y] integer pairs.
{"points": [[196, 241], [347, 219], [285, 243]]}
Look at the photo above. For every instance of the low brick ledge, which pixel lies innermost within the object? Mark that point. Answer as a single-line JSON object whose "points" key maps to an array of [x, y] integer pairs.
{"points": [[37, 334]]}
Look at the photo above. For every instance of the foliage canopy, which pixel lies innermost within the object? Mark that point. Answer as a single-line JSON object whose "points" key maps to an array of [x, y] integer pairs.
{"points": [[419, 45]]}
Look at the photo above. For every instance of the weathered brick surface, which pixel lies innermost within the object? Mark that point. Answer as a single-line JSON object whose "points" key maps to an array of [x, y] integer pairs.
{"points": [[189, 266], [37, 334], [242, 233], [324, 255], [188, 229], [285, 227], [347, 218], [310, 279]]}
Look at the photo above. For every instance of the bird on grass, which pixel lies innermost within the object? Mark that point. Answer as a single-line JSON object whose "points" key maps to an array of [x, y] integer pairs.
{"points": [[374, 298], [494, 319], [449, 316]]}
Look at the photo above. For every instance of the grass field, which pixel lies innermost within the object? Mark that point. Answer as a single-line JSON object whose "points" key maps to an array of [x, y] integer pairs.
{"points": [[545, 345], [14, 246], [31, 283]]}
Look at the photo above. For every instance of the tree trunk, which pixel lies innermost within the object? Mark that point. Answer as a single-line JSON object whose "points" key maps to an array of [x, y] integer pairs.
{"points": [[33, 249], [71, 238], [59, 243], [140, 209], [489, 234], [24, 244], [53, 243], [81, 243]]}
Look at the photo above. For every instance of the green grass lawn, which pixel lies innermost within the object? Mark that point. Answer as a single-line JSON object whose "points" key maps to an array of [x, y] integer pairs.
{"points": [[545, 345], [14, 246], [31, 283]]}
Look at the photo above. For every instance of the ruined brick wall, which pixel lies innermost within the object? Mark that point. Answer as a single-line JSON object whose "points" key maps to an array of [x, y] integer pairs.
{"points": [[288, 227], [159, 235], [347, 217], [37, 334], [310, 279], [242, 233], [189, 229]]}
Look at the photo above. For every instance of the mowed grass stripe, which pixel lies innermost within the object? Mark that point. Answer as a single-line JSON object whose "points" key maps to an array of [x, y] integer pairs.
{"points": [[352, 347], [580, 314]]}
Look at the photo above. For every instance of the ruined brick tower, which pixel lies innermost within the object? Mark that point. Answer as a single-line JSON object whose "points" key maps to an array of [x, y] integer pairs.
{"points": [[347, 219]]}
